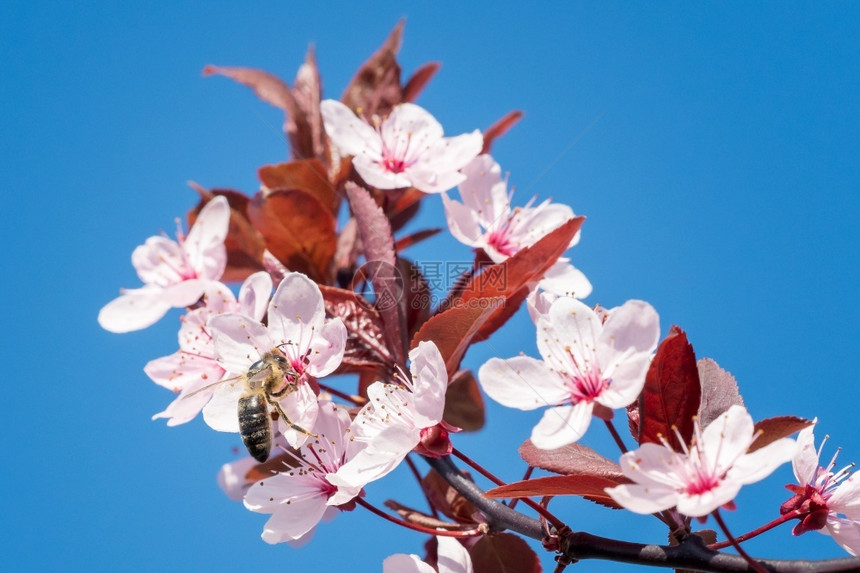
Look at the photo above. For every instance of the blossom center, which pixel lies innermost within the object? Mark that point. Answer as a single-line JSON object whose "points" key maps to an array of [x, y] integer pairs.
{"points": [[701, 482], [501, 241], [586, 387]]}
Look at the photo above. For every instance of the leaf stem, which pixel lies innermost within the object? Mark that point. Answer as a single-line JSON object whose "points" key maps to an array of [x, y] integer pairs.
{"points": [[755, 566]]}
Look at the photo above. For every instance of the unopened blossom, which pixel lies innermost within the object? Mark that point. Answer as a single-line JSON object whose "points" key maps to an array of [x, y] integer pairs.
{"points": [[829, 501], [706, 475], [192, 371], [486, 220], [405, 149], [397, 417], [298, 330], [452, 557], [586, 362], [298, 496], [175, 273]]}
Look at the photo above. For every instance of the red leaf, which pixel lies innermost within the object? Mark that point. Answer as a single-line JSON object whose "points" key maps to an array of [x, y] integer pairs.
{"points": [[590, 487], [449, 501], [499, 128], [299, 231], [454, 329], [308, 94], [402, 206], [571, 459], [507, 279], [416, 237], [719, 391], [672, 393], [464, 406], [375, 88], [503, 553], [417, 295], [307, 175], [419, 79], [378, 244], [365, 333], [773, 429]]}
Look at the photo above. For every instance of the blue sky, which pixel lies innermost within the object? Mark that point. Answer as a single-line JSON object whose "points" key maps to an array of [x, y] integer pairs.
{"points": [[713, 147]]}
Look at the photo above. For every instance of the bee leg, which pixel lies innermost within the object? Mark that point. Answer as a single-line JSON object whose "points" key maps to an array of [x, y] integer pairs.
{"points": [[290, 423]]}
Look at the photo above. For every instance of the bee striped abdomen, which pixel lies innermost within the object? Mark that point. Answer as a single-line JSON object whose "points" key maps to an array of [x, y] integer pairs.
{"points": [[255, 425]]}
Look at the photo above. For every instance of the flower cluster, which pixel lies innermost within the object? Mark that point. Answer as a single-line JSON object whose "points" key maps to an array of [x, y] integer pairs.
{"points": [[270, 361]]}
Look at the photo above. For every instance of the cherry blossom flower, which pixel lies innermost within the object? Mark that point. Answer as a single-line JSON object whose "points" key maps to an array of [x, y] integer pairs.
{"points": [[823, 496], [586, 362], [193, 367], [406, 149], [298, 496], [298, 330], [707, 475], [397, 417], [452, 558], [175, 273], [486, 220]]}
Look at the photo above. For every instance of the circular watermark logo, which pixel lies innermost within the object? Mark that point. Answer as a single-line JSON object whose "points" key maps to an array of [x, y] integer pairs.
{"points": [[378, 284]]}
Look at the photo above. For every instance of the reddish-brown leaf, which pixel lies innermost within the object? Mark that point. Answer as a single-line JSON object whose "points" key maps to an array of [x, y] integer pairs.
{"points": [[500, 128], [375, 88], [416, 295], [590, 487], [378, 244], [719, 391], [569, 460], [772, 429], [299, 231], [416, 237], [453, 330], [307, 175], [365, 342], [503, 553], [672, 393], [244, 244], [268, 87], [464, 406], [448, 501], [419, 79], [508, 279], [308, 93]]}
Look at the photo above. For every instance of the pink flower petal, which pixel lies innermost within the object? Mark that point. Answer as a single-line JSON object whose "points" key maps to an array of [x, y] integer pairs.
{"points": [[846, 533], [521, 382], [254, 295], [805, 462], [761, 463], [564, 279], [160, 261], [430, 379], [205, 242], [134, 310], [296, 310], [562, 425], [327, 348], [222, 411], [350, 135], [403, 563], [239, 341], [702, 504], [302, 408], [643, 499], [462, 222]]}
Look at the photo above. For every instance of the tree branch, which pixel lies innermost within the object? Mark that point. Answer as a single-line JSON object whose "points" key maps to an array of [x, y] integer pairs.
{"points": [[576, 545]]}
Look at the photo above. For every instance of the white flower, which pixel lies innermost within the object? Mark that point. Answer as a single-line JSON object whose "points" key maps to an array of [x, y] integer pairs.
{"points": [[585, 362], [298, 497], [175, 273], [298, 330], [396, 416], [486, 220], [452, 558], [406, 149], [830, 501], [193, 367], [706, 476]]}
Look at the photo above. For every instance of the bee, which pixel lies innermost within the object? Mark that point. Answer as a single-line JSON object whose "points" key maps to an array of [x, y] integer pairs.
{"points": [[266, 382]]}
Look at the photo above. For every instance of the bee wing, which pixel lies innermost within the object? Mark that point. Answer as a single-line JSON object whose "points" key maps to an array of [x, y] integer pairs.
{"points": [[213, 385]]}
